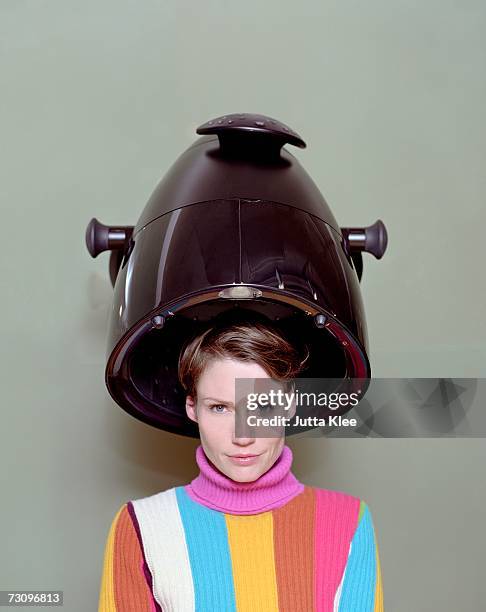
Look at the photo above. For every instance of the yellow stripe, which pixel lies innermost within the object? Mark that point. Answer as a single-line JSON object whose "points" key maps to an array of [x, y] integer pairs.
{"points": [[362, 507], [250, 539], [379, 587], [107, 590]]}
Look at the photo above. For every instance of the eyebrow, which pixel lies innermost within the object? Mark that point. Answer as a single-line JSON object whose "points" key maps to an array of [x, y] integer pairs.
{"points": [[215, 399]]}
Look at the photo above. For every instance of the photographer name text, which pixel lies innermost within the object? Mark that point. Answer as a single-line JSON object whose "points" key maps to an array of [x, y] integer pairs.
{"points": [[281, 421]]}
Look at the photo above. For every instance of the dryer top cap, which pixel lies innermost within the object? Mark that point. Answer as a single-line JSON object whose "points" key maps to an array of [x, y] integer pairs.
{"points": [[242, 125]]}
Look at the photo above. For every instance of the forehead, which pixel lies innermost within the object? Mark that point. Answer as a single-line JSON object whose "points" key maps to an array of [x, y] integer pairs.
{"points": [[219, 380], [220, 375]]}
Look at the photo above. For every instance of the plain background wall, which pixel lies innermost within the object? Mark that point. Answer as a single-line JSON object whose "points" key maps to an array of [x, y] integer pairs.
{"points": [[97, 101]]}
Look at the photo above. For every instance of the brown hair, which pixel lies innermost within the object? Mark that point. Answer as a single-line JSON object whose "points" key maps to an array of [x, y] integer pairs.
{"points": [[249, 342]]}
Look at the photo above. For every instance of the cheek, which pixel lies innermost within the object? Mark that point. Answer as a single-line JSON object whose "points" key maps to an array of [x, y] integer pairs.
{"points": [[276, 445], [215, 428]]}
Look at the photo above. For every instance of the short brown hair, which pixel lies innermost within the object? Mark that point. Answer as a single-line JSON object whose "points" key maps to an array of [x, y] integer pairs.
{"points": [[250, 342]]}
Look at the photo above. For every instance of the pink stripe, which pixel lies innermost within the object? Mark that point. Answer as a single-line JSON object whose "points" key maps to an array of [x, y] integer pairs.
{"points": [[336, 519]]}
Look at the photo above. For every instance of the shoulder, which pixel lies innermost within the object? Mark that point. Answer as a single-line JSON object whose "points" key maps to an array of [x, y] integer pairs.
{"points": [[123, 533], [161, 498], [340, 505], [126, 513], [146, 511], [335, 496]]}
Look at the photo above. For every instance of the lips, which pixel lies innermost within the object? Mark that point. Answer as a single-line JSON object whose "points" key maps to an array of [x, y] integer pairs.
{"points": [[242, 459]]}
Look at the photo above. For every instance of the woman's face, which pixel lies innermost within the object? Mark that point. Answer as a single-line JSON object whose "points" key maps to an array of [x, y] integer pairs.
{"points": [[215, 415]]}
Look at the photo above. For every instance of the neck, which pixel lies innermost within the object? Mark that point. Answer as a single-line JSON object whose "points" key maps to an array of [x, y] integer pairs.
{"points": [[271, 490]]}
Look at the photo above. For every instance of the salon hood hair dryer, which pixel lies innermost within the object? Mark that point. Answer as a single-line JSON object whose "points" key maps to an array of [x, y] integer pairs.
{"points": [[236, 229]]}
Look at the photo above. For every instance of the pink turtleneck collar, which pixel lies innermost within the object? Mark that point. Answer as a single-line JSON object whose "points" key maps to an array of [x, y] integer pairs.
{"points": [[272, 489]]}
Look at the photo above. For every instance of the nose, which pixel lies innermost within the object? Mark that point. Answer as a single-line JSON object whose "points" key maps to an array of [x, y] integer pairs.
{"points": [[242, 434], [241, 440]]}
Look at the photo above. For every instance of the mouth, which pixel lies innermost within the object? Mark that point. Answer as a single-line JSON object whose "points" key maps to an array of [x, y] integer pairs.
{"points": [[243, 459]]}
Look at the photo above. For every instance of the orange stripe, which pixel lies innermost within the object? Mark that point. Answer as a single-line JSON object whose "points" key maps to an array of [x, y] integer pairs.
{"points": [[294, 552], [131, 589]]}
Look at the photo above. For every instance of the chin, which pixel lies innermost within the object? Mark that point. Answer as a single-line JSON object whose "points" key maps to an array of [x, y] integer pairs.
{"points": [[245, 474], [244, 477]]}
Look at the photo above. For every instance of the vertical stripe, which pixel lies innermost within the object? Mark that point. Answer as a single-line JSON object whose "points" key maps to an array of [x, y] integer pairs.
{"points": [[293, 526], [107, 590], [336, 518], [166, 550], [362, 507], [131, 589], [209, 554], [337, 596], [143, 562], [251, 546], [358, 592], [379, 587]]}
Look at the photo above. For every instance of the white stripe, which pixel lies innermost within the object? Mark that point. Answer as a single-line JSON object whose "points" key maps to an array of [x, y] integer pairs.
{"points": [[165, 548], [337, 596]]}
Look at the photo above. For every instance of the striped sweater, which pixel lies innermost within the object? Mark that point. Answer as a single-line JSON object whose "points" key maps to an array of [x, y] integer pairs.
{"points": [[217, 545]]}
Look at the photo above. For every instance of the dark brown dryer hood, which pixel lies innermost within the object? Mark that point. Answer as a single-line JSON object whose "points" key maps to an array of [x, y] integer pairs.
{"points": [[235, 225]]}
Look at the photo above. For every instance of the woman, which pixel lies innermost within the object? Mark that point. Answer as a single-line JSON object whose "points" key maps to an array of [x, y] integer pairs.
{"points": [[245, 534]]}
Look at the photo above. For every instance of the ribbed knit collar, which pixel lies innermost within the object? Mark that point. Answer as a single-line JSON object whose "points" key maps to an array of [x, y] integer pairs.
{"points": [[272, 489]]}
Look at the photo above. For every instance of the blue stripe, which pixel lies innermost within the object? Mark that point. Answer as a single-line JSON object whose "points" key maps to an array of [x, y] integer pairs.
{"points": [[358, 591], [209, 554]]}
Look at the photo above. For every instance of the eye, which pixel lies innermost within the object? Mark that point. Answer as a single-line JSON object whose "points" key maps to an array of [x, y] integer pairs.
{"points": [[264, 407], [213, 406]]}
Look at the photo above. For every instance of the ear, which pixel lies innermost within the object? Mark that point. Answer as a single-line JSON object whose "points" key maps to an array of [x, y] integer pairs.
{"points": [[191, 408]]}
